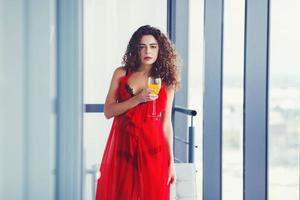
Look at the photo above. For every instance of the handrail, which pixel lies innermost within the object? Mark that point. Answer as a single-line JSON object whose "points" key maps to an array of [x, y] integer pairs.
{"points": [[94, 108], [191, 133], [185, 111], [100, 108]]}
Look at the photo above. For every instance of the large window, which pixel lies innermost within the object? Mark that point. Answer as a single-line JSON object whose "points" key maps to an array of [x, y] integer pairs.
{"points": [[108, 26], [195, 81], [233, 73], [284, 100]]}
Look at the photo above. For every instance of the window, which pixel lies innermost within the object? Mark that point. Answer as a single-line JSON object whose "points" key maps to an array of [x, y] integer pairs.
{"points": [[284, 100], [233, 74]]}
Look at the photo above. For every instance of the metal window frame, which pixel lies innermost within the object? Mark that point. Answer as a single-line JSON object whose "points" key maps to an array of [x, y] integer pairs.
{"points": [[69, 149], [177, 27], [255, 163], [212, 107], [256, 78]]}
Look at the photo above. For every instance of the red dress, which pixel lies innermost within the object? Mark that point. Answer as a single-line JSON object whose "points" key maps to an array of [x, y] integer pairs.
{"points": [[136, 159]]}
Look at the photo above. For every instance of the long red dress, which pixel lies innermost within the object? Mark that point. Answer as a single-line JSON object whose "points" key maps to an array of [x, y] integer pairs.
{"points": [[135, 161]]}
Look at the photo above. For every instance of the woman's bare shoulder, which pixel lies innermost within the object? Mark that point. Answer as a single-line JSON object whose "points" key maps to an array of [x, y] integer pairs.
{"points": [[119, 72], [170, 88]]}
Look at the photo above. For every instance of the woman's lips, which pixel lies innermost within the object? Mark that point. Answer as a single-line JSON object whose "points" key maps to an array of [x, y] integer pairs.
{"points": [[148, 58]]}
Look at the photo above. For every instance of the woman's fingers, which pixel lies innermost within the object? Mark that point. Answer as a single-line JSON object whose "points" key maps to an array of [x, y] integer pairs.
{"points": [[171, 180], [172, 175], [153, 97], [146, 96]]}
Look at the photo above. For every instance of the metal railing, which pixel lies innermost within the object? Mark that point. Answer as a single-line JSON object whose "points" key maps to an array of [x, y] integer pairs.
{"points": [[191, 132], [99, 108], [93, 172]]}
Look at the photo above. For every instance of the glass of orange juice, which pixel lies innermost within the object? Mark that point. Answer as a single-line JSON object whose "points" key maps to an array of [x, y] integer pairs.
{"points": [[154, 85]]}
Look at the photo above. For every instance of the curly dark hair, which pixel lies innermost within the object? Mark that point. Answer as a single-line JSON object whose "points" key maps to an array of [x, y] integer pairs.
{"points": [[167, 64]]}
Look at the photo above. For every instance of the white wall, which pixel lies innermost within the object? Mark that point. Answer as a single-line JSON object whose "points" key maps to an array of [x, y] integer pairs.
{"points": [[12, 100], [27, 128]]}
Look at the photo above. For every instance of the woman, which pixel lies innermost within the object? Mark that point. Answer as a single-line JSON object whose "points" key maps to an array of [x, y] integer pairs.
{"points": [[138, 161]]}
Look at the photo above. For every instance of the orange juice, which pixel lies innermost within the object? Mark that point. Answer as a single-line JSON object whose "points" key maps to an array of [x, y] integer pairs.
{"points": [[154, 87]]}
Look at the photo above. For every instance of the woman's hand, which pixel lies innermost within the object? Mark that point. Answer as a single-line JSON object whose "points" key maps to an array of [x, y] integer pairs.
{"points": [[145, 96], [172, 174]]}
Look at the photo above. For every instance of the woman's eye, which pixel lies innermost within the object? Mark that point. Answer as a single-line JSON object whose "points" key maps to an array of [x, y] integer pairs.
{"points": [[153, 47]]}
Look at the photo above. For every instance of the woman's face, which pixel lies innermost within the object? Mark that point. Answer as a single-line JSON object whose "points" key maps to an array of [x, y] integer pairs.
{"points": [[148, 50]]}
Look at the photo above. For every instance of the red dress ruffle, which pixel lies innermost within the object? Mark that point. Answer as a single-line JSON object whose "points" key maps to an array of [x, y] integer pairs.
{"points": [[135, 161]]}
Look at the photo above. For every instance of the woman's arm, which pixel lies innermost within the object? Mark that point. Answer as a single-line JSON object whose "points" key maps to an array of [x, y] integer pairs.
{"points": [[112, 107], [168, 132], [167, 122]]}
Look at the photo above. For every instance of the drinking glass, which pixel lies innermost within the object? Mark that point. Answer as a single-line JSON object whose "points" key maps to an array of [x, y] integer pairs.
{"points": [[154, 85]]}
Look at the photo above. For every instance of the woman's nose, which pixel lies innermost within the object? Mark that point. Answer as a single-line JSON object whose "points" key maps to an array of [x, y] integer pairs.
{"points": [[148, 50]]}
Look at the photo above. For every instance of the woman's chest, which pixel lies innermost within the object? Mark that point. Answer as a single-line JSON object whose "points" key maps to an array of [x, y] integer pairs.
{"points": [[137, 83]]}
